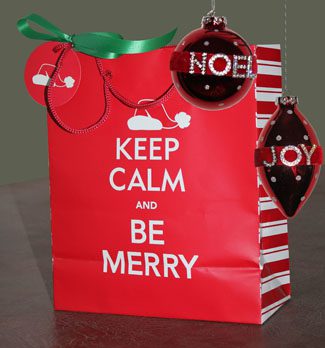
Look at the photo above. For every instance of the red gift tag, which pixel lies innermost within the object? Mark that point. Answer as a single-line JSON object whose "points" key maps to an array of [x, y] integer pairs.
{"points": [[40, 67]]}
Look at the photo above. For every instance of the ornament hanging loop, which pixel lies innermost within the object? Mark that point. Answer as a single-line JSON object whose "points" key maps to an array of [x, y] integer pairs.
{"points": [[212, 12]]}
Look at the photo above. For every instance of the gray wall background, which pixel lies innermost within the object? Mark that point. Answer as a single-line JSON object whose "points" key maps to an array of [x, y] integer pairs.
{"points": [[23, 134]]}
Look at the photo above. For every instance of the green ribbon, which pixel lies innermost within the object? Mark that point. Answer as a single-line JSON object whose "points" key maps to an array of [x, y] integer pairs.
{"points": [[98, 44]]}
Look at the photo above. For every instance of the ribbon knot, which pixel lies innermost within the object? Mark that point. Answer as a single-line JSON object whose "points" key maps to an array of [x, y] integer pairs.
{"points": [[98, 44], [70, 39]]}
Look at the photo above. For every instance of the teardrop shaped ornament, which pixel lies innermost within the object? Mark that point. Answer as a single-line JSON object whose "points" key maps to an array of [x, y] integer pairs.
{"points": [[288, 157]]}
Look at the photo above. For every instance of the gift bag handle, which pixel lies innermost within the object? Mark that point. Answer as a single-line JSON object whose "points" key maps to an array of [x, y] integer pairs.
{"points": [[108, 88]]}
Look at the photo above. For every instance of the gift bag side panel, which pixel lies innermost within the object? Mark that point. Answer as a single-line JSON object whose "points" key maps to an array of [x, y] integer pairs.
{"points": [[275, 273]]}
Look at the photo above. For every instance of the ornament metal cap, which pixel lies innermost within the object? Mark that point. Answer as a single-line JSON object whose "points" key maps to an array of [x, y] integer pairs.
{"points": [[287, 100], [211, 20]]}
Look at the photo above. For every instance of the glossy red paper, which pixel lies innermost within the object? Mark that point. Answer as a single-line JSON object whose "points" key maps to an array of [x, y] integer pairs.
{"points": [[155, 213]]}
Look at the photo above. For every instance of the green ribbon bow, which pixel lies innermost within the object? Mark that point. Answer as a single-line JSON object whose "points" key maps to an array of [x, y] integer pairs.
{"points": [[98, 44]]}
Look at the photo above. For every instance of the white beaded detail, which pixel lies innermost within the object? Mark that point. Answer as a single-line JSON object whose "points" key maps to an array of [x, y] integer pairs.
{"points": [[247, 67], [298, 177], [290, 148], [249, 70], [273, 178], [194, 61], [278, 137], [273, 163], [237, 66], [308, 154], [225, 70]]}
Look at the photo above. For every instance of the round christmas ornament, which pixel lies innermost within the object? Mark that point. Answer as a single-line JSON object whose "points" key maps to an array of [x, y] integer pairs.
{"points": [[288, 157], [213, 67]]}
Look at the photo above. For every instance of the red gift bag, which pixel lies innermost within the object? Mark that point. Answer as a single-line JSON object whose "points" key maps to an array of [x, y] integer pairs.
{"points": [[156, 208]]}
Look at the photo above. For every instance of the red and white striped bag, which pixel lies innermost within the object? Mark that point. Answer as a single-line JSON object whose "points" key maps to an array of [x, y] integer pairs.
{"points": [[275, 273], [158, 212]]}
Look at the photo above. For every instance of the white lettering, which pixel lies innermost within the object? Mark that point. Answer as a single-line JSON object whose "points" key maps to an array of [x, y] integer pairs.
{"points": [[119, 262], [153, 232], [111, 179], [133, 262], [178, 180], [136, 181], [153, 148], [170, 263], [151, 264], [188, 265], [120, 148], [138, 148], [138, 228], [169, 148]]}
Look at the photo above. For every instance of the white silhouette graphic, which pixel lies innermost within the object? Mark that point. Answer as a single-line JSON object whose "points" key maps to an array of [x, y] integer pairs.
{"points": [[141, 122], [42, 78]]}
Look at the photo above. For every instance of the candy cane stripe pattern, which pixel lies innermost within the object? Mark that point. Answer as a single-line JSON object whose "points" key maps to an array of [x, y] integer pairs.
{"points": [[274, 254]]}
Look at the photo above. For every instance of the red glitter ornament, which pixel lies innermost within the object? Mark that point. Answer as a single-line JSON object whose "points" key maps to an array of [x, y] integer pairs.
{"points": [[288, 157], [213, 67]]}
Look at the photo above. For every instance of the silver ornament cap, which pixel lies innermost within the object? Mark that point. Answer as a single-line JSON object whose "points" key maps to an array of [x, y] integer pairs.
{"points": [[287, 100]]}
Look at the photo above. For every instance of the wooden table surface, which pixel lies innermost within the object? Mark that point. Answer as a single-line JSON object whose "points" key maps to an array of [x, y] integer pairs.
{"points": [[27, 318]]}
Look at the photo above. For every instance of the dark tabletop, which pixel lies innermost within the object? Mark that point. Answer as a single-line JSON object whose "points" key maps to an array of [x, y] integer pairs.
{"points": [[27, 318]]}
